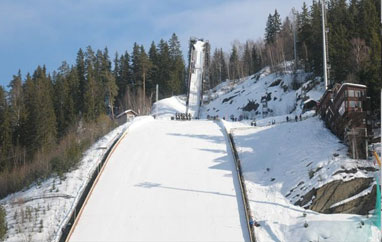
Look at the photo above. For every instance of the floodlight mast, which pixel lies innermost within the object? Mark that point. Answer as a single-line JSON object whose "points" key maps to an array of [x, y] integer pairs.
{"points": [[324, 45]]}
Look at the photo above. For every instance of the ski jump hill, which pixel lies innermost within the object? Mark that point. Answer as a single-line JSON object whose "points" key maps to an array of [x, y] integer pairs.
{"points": [[195, 83], [166, 181]]}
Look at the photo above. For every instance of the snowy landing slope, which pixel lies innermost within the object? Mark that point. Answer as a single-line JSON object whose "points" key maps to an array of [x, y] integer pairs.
{"points": [[277, 162], [167, 181]]}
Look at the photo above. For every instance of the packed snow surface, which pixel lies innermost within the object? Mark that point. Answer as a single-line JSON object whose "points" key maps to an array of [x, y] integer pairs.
{"points": [[167, 107], [167, 181], [196, 79]]}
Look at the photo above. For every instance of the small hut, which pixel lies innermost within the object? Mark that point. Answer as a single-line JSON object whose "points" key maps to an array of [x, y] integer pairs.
{"points": [[309, 105], [126, 116]]}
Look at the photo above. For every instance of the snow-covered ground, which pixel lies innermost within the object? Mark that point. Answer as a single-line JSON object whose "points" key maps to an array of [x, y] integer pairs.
{"points": [[166, 108], [167, 181], [244, 97], [277, 158], [196, 79], [175, 180], [38, 213], [276, 162]]}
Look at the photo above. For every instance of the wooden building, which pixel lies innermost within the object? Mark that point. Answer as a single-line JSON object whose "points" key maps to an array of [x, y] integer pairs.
{"points": [[126, 116], [345, 108], [309, 105]]}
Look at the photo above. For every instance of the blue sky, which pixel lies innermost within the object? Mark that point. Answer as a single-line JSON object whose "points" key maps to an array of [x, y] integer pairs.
{"points": [[37, 32]]}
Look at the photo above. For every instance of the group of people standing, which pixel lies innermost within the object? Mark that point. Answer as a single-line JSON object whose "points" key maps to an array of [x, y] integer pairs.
{"points": [[296, 118], [182, 116]]}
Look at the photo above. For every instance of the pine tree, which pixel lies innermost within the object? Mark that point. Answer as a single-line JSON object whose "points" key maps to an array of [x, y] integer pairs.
{"points": [[269, 30], [304, 37], [223, 66], [164, 69], [144, 69], [153, 73], [234, 71], [123, 80], [80, 68], [314, 42], [247, 60], [177, 70], [136, 75], [214, 69], [108, 82], [91, 88], [352, 24], [273, 27], [276, 22], [18, 112], [5, 131], [66, 93], [256, 61], [61, 96], [41, 116]]}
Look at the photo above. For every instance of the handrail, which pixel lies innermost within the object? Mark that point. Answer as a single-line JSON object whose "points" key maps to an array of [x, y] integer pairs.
{"points": [[70, 219], [243, 189]]}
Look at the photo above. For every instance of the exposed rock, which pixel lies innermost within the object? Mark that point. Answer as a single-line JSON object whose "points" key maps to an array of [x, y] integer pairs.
{"points": [[351, 171], [371, 169], [275, 83], [336, 191], [251, 106], [361, 205], [229, 98]]}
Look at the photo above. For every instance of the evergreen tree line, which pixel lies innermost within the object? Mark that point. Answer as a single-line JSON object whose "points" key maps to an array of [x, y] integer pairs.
{"points": [[354, 46], [48, 119]]}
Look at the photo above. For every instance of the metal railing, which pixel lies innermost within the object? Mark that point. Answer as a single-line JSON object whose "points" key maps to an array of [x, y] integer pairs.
{"points": [[243, 189], [67, 223]]}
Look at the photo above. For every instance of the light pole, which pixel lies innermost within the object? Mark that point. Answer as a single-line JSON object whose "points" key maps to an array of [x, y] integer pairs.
{"points": [[324, 44]]}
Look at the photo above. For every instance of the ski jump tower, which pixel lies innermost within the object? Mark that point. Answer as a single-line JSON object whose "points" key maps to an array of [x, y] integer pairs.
{"points": [[196, 73]]}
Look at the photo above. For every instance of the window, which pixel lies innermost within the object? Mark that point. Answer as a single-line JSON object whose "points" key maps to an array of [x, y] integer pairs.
{"points": [[355, 104], [352, 104], [341, 111], [358, 93], [351, 93]]}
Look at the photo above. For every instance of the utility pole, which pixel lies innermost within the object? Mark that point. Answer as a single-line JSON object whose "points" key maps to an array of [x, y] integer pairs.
{"points": [[157, 93], [324, 44], [156, 100]]}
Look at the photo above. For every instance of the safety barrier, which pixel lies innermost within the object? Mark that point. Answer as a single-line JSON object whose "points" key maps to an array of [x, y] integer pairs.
{"points": [[243, 189], [84, 193]]}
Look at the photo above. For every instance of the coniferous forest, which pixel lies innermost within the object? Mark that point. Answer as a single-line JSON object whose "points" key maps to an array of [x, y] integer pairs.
{"points": [[353, 38], [48, 119]]}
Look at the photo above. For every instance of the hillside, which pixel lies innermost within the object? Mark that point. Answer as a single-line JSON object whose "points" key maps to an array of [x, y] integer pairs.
{"points": [[40, 212], [295, 172], [298, 168], [244, 97]]}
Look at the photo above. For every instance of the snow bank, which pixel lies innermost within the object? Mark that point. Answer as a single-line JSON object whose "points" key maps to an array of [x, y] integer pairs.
{"points": [[166, 108]]}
